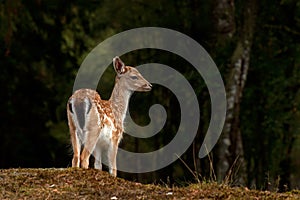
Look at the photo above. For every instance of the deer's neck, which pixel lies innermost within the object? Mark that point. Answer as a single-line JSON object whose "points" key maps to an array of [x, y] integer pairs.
{"points": [[119, 101]]}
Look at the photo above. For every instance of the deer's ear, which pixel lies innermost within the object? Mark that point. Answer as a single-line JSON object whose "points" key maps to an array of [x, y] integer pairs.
{"points": [[118, 65]]}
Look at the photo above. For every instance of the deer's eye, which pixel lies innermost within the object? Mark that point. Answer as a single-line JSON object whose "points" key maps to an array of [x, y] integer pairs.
{"points": [[134, 77]]}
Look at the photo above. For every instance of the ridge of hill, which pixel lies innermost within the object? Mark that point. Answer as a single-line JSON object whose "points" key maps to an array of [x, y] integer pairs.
{"points": [[70, 183]]}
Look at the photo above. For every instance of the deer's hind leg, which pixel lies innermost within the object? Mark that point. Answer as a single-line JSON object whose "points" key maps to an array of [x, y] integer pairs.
{"points": [[89, 146], [76, 149], [75, 142]]}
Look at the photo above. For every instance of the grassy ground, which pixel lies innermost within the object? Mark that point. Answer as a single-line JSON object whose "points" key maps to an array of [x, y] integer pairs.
{"points": [[93, 184]]}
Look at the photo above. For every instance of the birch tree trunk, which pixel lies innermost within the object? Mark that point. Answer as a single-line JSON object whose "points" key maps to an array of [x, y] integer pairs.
{"points": [[231, 165]]}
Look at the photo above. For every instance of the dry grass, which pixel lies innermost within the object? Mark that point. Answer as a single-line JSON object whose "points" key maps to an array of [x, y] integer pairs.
{"points": [[93, 184]]}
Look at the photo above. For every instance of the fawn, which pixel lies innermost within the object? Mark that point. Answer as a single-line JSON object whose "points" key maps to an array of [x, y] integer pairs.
{"points": [[96, 124]]}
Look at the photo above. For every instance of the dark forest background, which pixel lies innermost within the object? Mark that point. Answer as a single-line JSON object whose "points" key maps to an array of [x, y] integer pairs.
{"points": [[255, 44]]}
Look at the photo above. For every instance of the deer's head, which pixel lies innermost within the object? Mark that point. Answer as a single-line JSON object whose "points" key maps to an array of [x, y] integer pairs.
{"points": [[129, 77]]}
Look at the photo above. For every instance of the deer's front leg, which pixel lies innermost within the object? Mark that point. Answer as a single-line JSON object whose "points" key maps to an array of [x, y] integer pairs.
{"points": [[112, 159], [97, 154]]}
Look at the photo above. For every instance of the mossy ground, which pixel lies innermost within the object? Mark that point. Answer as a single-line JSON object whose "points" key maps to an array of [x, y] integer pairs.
{"points": [[72, 183]]}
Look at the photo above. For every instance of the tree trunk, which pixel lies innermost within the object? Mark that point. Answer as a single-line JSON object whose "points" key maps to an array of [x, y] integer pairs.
{"points": [[230, 164]]}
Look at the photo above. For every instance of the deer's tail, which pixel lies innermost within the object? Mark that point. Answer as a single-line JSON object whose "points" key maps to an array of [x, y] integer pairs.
{"points": [[80, 109]]}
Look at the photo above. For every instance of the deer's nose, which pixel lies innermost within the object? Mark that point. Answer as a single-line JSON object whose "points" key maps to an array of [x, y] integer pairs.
{"points": [[148, 86]]}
